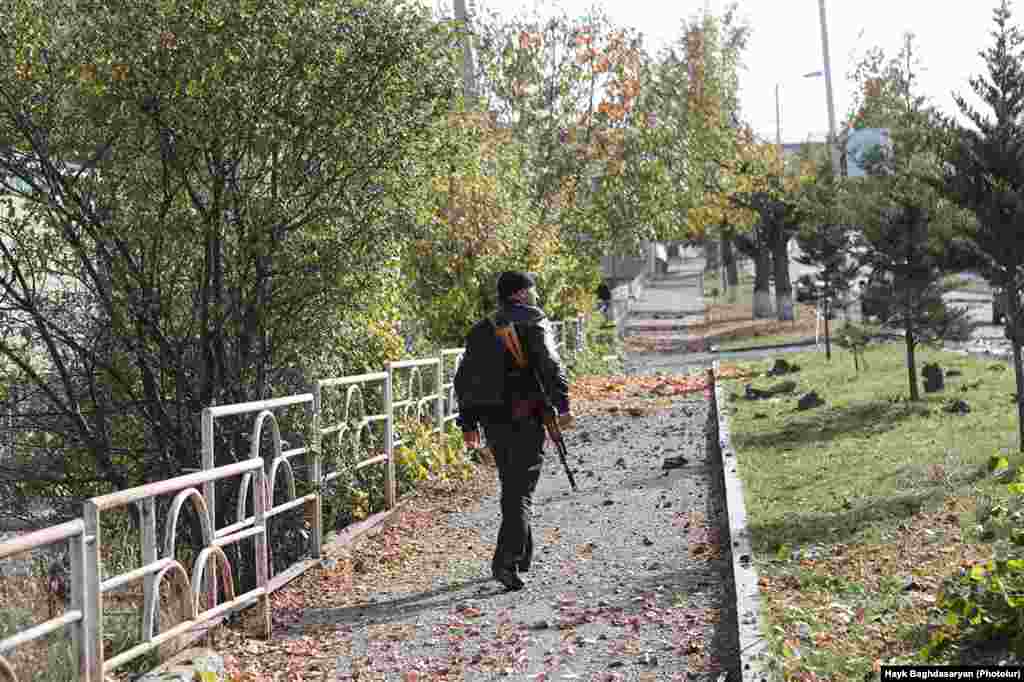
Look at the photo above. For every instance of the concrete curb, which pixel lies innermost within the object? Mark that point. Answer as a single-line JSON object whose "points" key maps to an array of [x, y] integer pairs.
{"points": [[754, 663]]}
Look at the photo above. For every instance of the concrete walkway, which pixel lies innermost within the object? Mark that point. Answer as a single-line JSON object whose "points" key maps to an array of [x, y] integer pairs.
{"points": [[632, 578], [664, 315]]}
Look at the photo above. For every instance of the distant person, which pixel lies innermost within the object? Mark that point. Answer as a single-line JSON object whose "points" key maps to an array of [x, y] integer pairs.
{"points": [[497, 389], [604, 298]]}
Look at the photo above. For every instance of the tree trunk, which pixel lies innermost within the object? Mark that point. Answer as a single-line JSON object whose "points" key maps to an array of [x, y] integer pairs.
{"points": [[762, 293], [1012, 313], [911, 363], [729, 256], [710, 255], [908, 332], [783, 288], [828, 339], [1018, 372], [731, 278]]}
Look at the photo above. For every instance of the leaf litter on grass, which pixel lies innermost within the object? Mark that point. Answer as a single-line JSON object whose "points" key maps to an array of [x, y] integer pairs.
{"points": [[852, 607], [723, 323]]}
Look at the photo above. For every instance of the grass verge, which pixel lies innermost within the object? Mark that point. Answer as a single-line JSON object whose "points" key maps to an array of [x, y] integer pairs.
{"points": [[861, 508]]}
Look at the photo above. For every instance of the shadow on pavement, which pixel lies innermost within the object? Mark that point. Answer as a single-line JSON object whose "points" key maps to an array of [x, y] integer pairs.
{"points": [[393, 610]]}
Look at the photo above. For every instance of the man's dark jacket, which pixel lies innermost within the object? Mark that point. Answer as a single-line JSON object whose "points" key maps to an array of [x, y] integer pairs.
{"points": [[489, 384]]}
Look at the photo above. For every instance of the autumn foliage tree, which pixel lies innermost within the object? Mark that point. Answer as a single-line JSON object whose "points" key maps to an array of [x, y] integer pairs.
{"points": [[694, 91], [548, 167], [769, 190], [569, 89]]}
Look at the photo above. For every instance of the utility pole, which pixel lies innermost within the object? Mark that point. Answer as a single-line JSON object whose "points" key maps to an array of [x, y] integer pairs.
{"points": [[833, 142], [778, 119], [468, 67]]}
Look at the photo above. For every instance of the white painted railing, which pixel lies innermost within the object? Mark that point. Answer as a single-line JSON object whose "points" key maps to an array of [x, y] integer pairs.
{"points": [[410, 389], [77, 616]]}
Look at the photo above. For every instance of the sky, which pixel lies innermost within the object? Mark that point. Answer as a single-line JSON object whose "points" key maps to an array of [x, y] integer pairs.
{"points": [[785, 44]]}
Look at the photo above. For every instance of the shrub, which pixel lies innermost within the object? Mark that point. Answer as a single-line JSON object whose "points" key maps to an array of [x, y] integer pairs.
{"points": [[426, 456], [983, 603], [591, 361]]}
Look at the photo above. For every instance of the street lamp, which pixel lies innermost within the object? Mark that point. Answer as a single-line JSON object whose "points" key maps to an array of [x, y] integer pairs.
{"points": [[778, 109]]}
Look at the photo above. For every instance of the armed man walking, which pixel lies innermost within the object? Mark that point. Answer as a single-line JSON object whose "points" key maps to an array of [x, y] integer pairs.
{"points": [[509, 376]]}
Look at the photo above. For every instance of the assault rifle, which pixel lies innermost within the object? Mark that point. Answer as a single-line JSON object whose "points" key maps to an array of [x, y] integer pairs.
{"points": [[555, 431], [507, 333]]}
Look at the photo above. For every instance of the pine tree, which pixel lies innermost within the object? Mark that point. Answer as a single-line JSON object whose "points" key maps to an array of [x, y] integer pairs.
{"points": [[985, 174], [904, 247], [826, 242], [906, 223]]}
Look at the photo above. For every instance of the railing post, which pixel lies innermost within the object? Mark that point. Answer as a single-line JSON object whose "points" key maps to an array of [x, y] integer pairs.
{"points": [[210, 497], [150, 599], [93, 597], [581, 332], [440, 394], [314, 465], [80, 632], [389, 438], [259, 505]]}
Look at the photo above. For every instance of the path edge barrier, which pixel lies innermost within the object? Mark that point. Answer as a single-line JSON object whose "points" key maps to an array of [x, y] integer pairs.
{"points": [[754, 663]]}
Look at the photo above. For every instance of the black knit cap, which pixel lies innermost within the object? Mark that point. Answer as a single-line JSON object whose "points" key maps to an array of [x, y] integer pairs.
{"points": [[512, 281]]}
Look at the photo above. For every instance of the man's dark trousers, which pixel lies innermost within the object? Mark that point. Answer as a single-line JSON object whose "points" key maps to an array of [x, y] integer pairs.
{"points": [[518, 446]]}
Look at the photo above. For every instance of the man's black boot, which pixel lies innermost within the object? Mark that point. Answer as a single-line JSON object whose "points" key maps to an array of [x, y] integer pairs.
{"points": [[508, 577]]}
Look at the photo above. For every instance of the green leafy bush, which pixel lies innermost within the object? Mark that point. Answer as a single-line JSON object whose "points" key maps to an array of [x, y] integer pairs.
{"points": [[595, 358], [427, 456], [984, 602]]}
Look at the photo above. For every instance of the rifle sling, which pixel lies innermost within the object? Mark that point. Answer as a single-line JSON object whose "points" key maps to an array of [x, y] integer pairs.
{"points": [[510, 338]]}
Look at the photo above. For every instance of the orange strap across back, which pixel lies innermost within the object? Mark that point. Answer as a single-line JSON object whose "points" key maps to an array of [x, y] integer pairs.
{"points": [[509, 337]]}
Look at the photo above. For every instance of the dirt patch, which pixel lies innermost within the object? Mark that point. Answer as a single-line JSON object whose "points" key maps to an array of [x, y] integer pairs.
{"points": [[730, 322]]}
